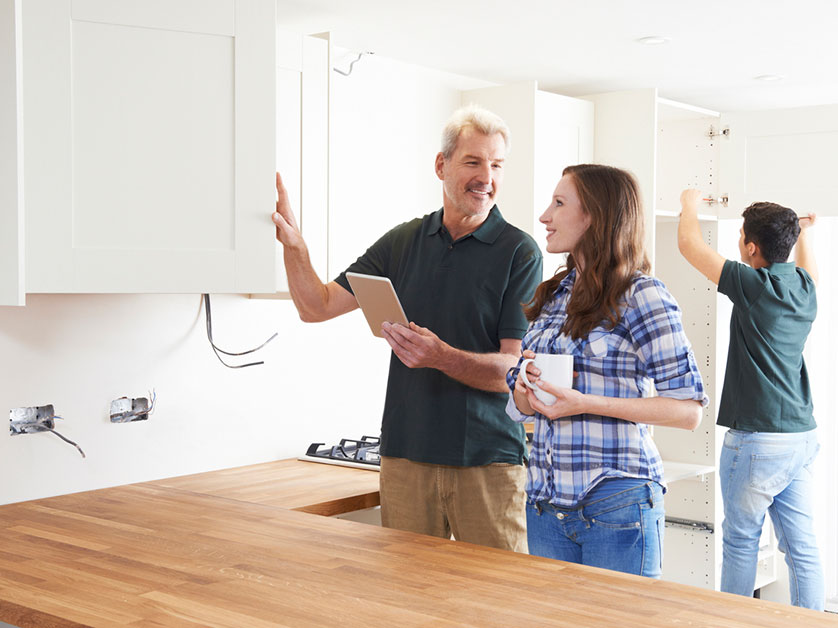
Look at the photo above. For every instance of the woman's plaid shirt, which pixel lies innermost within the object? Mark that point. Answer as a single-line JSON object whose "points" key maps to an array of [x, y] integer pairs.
{"points": [[571, 455]]}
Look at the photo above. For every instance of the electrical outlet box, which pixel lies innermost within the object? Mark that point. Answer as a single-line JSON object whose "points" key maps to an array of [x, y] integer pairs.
{"points": [[31, 420], [125, 410]]}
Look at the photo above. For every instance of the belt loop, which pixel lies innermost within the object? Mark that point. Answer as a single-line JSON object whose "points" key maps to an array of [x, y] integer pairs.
{"points": [[651, 494], [537, 507], [581, 511]]}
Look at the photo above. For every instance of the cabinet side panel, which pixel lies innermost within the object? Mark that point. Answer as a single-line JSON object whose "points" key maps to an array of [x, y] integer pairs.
{"points": [[689, 556], [625, 137], [688, 158], [564, 136], [516, 105], [11, 157]]}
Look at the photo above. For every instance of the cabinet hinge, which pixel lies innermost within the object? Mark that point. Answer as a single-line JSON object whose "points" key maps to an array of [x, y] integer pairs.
{"points": [[721, 200], [714, 132]]}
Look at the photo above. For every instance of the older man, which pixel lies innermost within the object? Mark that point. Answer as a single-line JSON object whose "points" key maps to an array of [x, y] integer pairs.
{"points": [[452, 462]]}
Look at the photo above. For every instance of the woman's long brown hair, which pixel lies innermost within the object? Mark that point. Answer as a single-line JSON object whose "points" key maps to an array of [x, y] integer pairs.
{"points": [[612, 250]]}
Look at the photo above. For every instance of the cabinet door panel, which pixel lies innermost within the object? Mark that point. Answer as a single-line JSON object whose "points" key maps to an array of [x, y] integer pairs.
{"points": [[785, 156], [289, 149], [11, 157], [150, 139], [549, 132]]}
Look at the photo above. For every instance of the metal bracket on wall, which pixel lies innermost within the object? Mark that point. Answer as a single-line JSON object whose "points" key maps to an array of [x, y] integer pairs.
{"points": [[721, 200], [701, 526], [714, 132]]}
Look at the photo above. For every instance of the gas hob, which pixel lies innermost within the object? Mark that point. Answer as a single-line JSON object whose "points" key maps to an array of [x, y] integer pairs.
{"points": [[362, 454]]}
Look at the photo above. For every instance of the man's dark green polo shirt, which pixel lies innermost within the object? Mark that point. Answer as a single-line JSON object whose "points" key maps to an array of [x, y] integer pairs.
{"points": [[766, 385], [469, 293]]}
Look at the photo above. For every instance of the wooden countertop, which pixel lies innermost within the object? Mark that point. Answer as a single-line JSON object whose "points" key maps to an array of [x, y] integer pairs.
{"points": [[235, 548], [322, 489]]}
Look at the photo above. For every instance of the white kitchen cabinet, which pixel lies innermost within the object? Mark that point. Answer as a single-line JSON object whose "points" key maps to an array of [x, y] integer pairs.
{"points": [[667, 147], [149, 145], [549, 132], [787, 156], [303, 70], [783, 156], [11, 156]]}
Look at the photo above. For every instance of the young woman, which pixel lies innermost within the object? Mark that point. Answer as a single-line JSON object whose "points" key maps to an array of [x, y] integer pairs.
{"points": [[595, 477]]}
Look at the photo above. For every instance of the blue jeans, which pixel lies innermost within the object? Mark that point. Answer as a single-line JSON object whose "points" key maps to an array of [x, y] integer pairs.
{"points": [[622, 532], [765, 471]]}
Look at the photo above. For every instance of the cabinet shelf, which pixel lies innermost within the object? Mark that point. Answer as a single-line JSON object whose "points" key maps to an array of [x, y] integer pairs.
{"points": [[671, 216], [674, 471]]}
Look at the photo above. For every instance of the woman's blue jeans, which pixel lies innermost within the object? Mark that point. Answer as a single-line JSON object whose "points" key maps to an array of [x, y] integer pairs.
{"points": [[622, 532], [765, 471]]}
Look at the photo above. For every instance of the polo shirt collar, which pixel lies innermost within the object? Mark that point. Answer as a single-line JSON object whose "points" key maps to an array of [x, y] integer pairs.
{"points": [[488, 232], [782, 268]]}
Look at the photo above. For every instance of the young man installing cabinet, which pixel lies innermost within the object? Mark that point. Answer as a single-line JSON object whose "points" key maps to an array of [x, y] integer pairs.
{"points": [[766, 400]]}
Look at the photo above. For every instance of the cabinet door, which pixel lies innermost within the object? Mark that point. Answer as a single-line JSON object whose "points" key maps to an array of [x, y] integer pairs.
{"points": [[11, 157], [786, 156], [625, 137], [149, 152], [302, 149], [549, 132]]}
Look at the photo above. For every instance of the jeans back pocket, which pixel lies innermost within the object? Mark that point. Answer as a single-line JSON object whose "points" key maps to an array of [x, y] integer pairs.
{"points": [[769, 471]]}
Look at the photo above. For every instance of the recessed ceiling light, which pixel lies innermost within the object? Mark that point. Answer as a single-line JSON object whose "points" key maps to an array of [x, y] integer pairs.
{"points": [[768, 78], [653, 40]]}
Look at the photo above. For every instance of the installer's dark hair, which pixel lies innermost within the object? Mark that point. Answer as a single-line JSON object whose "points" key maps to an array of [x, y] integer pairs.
{"points": [[773, 228]]}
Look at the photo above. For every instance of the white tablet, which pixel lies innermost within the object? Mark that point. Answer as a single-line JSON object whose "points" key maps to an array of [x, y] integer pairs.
{"points": [[378, 300]]}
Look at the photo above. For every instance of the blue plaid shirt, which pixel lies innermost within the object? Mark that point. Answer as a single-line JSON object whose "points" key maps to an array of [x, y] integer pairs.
{"points": [[572, 454]]}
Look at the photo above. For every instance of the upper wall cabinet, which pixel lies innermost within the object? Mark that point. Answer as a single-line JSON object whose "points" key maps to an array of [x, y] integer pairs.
{"points": [[784, 156], [303, 67], [11, 157], [149, 147], [549, 132]]}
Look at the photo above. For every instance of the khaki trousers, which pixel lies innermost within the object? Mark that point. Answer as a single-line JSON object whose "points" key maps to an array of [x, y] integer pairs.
{"points": [[483, 505]]}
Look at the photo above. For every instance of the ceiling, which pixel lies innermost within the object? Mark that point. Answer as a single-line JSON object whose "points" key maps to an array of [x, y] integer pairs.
{"points": [[716, 48]]}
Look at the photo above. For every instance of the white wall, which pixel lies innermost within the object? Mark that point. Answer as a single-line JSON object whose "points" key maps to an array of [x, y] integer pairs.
{"points": [[320, 382], [386, 129]]}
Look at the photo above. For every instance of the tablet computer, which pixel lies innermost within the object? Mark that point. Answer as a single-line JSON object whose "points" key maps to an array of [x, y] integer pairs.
{"points": [[378, 300]]}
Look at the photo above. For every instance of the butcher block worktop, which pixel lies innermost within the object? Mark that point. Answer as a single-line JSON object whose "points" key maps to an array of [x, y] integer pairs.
{"points": [[241, 547]]}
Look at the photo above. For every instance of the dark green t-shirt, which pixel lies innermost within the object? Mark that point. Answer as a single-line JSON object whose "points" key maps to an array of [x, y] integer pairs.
{"points": [[766, 385], [469, 293]]}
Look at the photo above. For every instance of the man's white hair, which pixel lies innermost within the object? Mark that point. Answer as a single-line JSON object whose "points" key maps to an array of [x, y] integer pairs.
{"points": [[476, 117]]}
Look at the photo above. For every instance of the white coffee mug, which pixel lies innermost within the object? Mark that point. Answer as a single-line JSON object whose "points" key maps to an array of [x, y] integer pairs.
{"points": [[556, 369]]}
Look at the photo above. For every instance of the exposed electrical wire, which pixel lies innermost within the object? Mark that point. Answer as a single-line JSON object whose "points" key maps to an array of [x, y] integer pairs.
{"points": [[217, 350], [67, 440], [41, 427]]}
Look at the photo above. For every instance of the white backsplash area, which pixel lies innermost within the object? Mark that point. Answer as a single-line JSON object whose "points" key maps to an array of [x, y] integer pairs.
{"points": [[320, 382]]}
